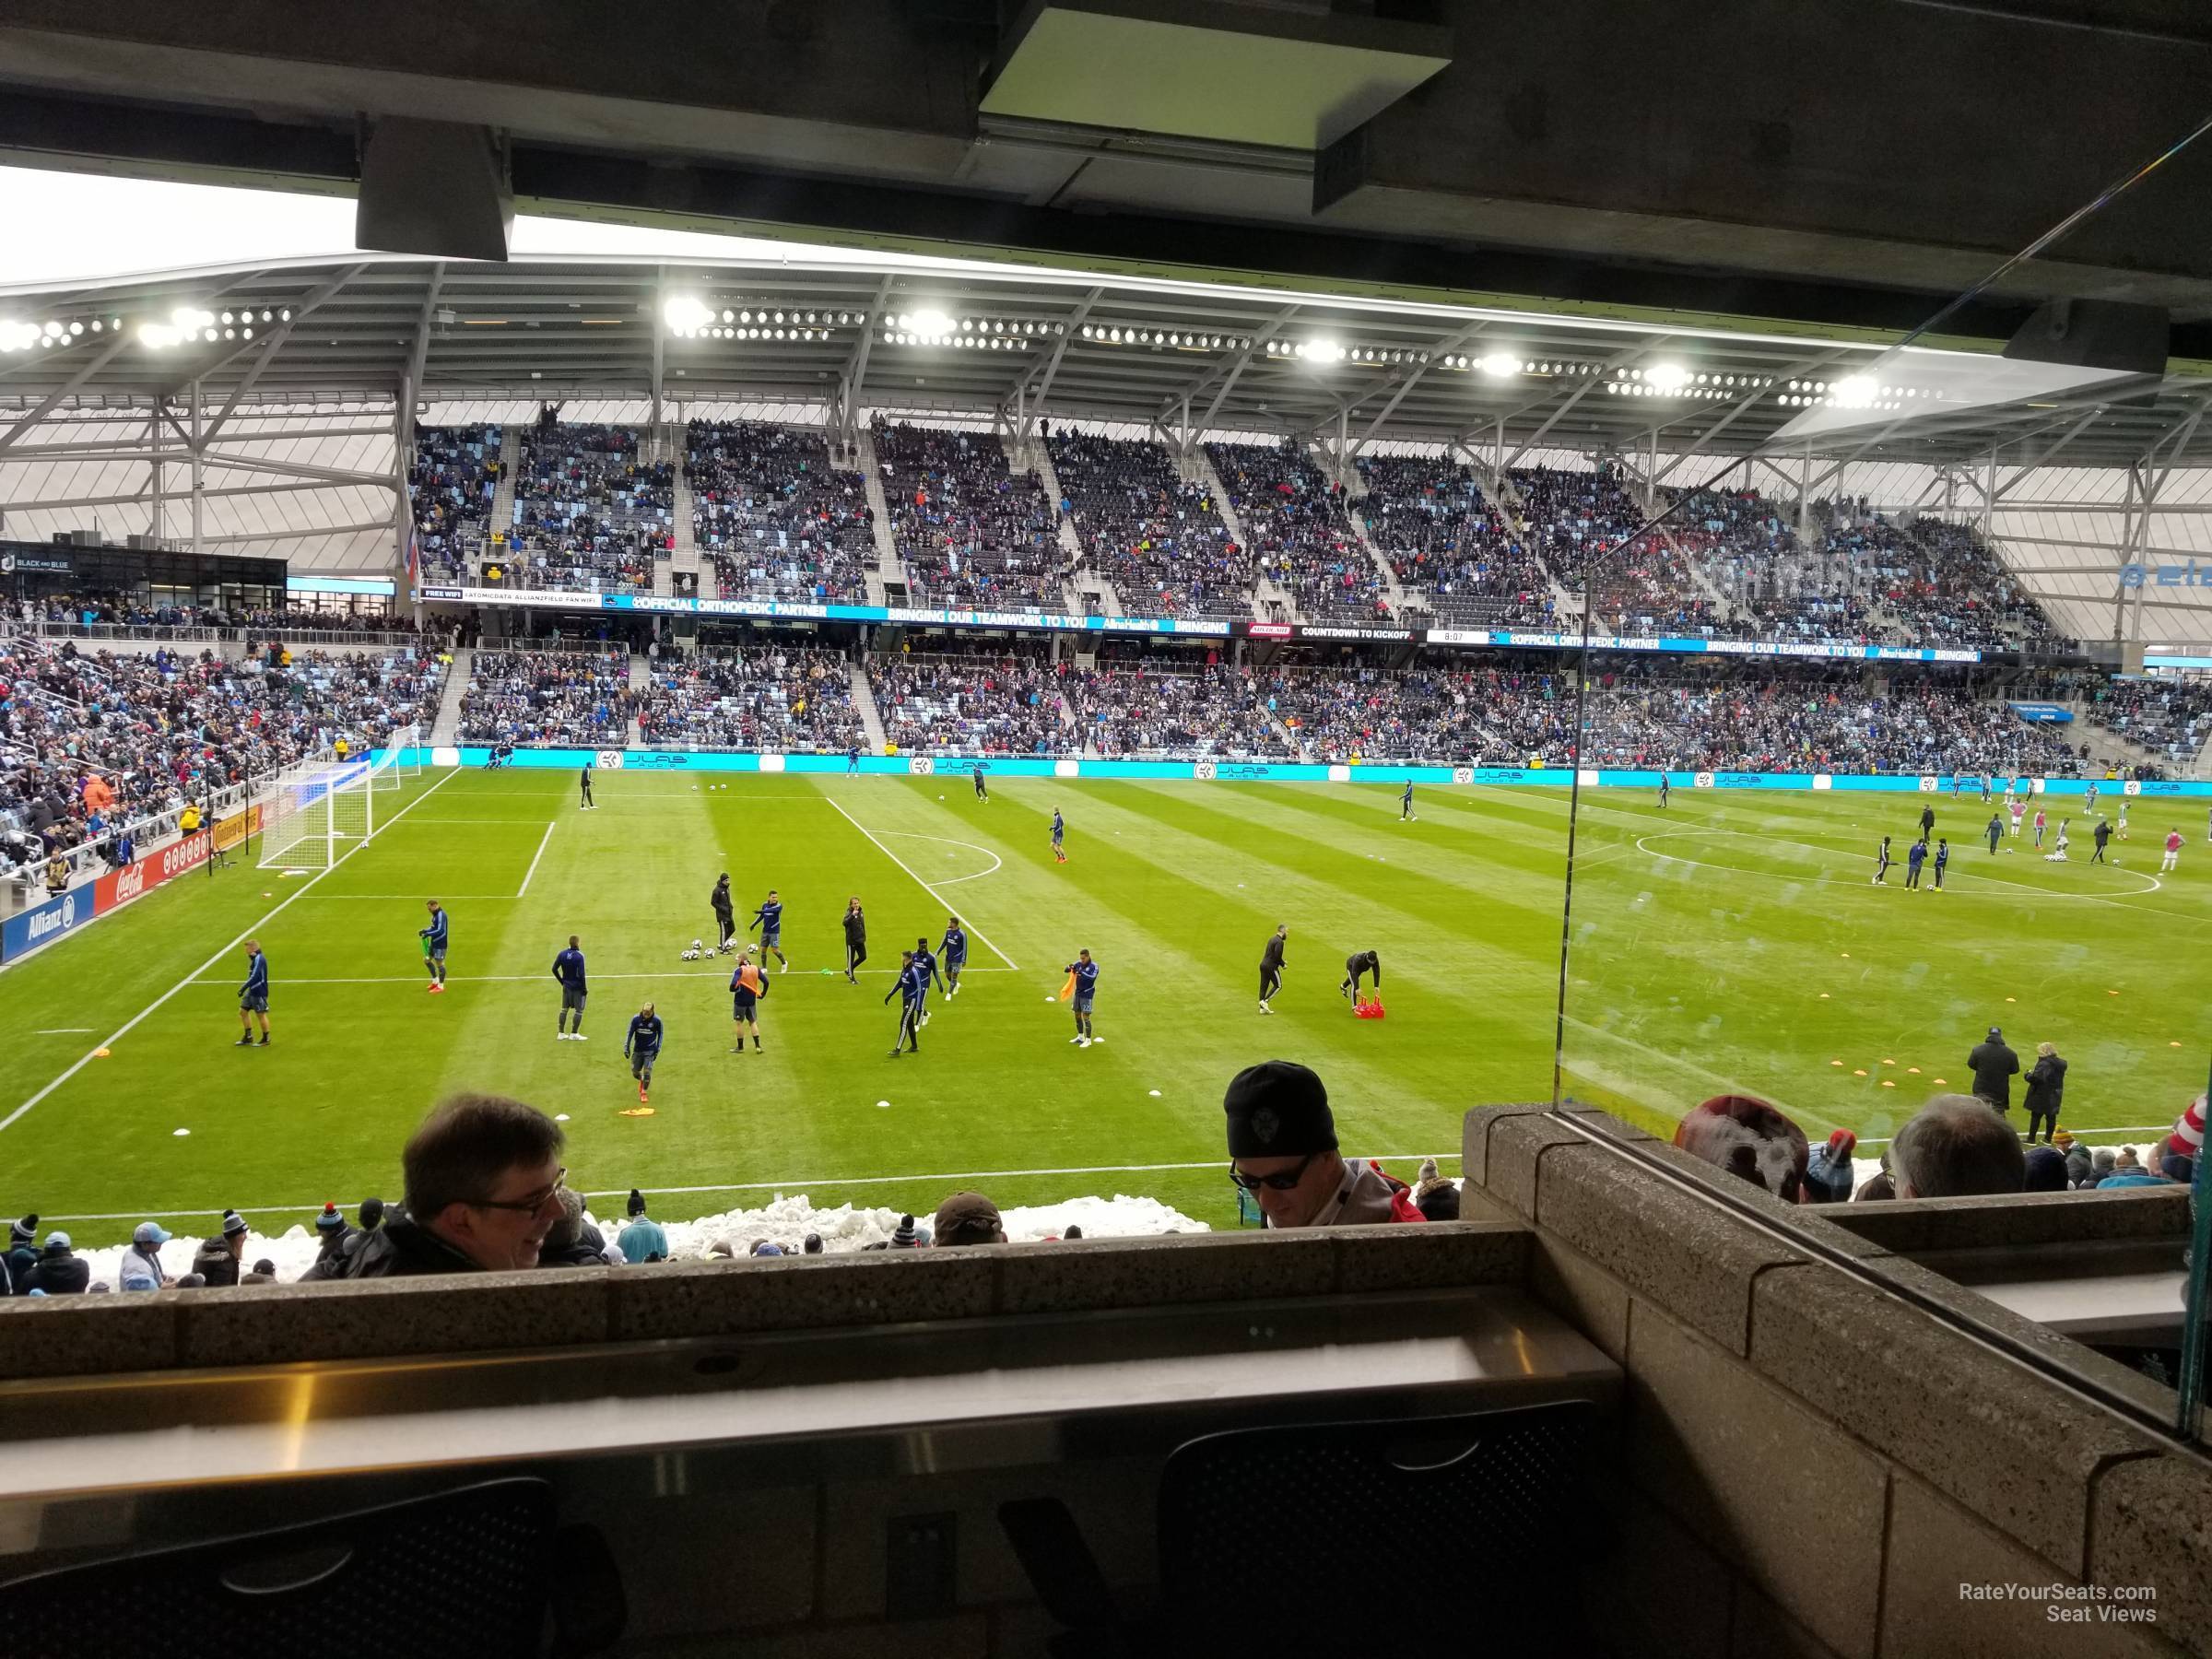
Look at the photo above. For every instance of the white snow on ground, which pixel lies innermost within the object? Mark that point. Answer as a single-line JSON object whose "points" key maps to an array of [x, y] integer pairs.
{"points": [[785, 1222]]}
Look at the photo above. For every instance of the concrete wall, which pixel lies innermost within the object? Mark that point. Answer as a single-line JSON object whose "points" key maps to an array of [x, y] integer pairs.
{"points": [[1810, 1466]]}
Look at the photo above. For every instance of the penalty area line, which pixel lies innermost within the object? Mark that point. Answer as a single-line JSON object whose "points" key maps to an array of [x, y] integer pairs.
{"points": [[925, 887], [540, 854], [268, 916]]}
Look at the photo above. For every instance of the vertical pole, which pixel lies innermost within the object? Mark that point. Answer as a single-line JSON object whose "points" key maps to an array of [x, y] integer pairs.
{"points": [[1805, 491], [197, 547], [1343, 440], [403, 499], [155, 469]]}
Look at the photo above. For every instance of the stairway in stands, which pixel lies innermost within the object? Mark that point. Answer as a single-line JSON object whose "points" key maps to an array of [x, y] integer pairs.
{"points": [[503, 494], [1203, 468], [1038, 458], [1354, 492], [446, 729], [864, 701], [640, 682], [684, 561], [879, 513]]}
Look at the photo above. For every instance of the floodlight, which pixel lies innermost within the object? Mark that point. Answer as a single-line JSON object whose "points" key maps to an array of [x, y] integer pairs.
{"points": [[1497, 366], [1666, 377]]}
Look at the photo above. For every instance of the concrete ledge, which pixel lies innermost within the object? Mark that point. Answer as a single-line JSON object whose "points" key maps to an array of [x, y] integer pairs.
{"points": [[2154, 1526], [1474, 1138], [1697, 1262], [2015, 1451], [1908, 1226], [555, 1308]]}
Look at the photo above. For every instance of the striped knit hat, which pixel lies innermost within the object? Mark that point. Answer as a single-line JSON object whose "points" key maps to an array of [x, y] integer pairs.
{"points": [[2188, 1137], [329, 1220], [24, 1230]]}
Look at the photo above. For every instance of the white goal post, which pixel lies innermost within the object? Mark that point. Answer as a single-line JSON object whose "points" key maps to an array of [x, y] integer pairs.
{"points": [[320, 808]]}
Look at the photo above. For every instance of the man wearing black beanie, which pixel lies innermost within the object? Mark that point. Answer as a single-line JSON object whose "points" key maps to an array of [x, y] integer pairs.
{"points": [[1282, 1148]]}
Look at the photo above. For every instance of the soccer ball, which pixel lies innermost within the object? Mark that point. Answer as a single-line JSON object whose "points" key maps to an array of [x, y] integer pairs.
{"points": [[710, 953], [692, 955]]}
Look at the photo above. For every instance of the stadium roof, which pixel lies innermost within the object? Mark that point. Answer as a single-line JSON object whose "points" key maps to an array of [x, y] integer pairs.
{"points": [[802, 324]]}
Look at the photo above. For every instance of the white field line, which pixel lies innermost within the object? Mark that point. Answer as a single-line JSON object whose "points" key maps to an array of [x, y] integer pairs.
{"points": [[997, 862], [490, 978], [925, 887], [796, 1185], [305, 887], [66, 1031], [540, 854]]}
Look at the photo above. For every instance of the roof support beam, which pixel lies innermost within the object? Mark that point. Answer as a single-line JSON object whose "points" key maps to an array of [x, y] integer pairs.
{"points": [[420, 350], [296, 469], [2045, 459], [85, 372], [1408, 380], [144, 490], [301, 533], [1227, 370]]}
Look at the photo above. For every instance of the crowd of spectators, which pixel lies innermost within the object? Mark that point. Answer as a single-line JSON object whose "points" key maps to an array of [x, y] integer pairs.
{"points": [[2170, 717], [778, 519], [970, 533], [1339, 714], [995, 703], [777, 698], [1174, 710], [589, 513], [1155, 537], [1295, 521], [532, 698], [92, 741], [127, 610], [455, 475], [1455, 555]]}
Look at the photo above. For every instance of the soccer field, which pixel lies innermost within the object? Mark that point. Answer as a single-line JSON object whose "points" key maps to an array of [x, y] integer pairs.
{"points": [[1731, 942]]}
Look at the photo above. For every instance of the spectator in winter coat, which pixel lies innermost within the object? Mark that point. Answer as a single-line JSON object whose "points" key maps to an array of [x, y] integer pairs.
{"points": [[2078, 1159], [2046, 1087], [2186, 1144], [2128, 1172], [967, 1219], [573, 1241], [1282, 1149], [1955, 1147], [333, 1242], [2045, 1171], [1877, 1188], [643, 1240], [1995, 1065], [484, 1178], [1747, 1136], [142, 1268], [217, 1261], [60, 1271], [1827, 1174], [22, 1248]]}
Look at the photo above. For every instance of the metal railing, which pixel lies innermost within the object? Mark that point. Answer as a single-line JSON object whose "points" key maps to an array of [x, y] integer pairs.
{"points": [[205, 633]]}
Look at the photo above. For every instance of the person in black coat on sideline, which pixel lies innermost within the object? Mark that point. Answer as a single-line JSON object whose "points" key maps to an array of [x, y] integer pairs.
{"points": [[1995, 1065], [2046, 1087]]}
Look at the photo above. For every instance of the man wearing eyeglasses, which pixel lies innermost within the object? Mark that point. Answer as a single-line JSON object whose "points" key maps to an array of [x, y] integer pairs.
{"points": [[483, 1190], [1282, 1149]]}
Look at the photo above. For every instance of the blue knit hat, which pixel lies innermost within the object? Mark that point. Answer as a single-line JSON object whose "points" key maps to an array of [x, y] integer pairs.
{"points": [[329, 1220]]}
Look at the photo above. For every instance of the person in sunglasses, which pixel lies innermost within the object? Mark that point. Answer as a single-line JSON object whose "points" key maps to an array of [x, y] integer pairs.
{"points": [[1282, 1149], [483, 1190]]}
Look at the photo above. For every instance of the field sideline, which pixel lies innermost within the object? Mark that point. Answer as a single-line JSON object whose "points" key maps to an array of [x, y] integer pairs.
{"points": [[1731, 942]]}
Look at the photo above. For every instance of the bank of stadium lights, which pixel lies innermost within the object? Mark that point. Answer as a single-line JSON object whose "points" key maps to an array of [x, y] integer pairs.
{"points": [[1853, 392], [190, 322], [972, 333], [691, 318], [19, 335], [1162, 339], [1674, 381]]}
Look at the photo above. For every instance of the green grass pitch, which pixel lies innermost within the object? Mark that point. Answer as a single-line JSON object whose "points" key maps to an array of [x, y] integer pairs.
{"points": [[1733, 942]]}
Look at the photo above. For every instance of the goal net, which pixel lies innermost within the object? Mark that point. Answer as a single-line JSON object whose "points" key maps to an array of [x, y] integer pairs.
{"points": [[322, 808]]}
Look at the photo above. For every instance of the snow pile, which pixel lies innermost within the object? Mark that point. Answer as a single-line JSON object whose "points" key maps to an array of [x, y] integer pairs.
{"points": [[784, 1222]]}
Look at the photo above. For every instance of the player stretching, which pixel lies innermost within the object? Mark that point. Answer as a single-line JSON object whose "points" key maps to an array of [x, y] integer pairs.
{"points": [[433, 939], [1943, 856], [1087, 985], [2173, 851], [641, 1047], [1881, 864], [254, 997], [927, 965], [1271, 964], [909, 993], [584, 780], [857, 940], [568, 969], [1358, 963], [980, 793], [2039, 821], [1666, 789], [1993, 832], [2060, 856], [725, 912], [1915, 856], [1059, 831], [954, 949], [748, 986], [768, 918], [1406, 815]]}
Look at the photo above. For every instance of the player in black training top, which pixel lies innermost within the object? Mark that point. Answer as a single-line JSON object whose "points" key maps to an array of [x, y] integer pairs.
{"points": [[1405, 804], [1359, 962], [769, 919], [857, 940], [1665, 790], [909, 993], [1271, 965], [725, 912], [953, 947], [641, 1047], [584, 780], [980, 793]]}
